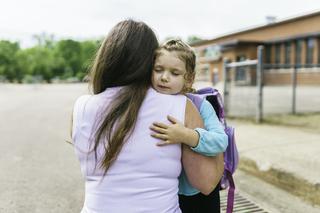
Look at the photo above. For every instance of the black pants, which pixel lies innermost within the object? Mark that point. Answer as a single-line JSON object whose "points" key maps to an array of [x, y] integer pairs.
{"points": [[201, 203]]}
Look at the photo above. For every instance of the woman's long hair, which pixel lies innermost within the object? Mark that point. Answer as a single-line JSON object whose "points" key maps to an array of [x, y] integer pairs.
{"points": [[125, 58]]}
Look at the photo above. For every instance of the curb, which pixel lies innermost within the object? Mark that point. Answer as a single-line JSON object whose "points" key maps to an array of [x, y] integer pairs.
{"points": [[284, 180]]}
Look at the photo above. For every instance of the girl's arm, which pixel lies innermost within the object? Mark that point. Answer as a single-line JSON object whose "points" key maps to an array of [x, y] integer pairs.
{"points": [[210, 141], [213, 139], [174, 133]]}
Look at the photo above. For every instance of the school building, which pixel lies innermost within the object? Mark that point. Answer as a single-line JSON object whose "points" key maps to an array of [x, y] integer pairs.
{"points": [[294, 42]]}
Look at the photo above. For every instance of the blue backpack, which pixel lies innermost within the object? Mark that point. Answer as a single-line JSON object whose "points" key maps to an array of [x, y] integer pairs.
{"points": [[231, 155]]}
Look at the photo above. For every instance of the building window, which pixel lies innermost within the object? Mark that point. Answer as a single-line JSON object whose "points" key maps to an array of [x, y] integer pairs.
{"points": [[268, 54], [310, 50], [287, 60], [318, 51], [298, 50], [213, 52], [241, 71], [277, 54]]}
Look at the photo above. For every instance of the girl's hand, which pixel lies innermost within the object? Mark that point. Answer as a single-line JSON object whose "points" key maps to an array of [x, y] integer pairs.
{"points": [[174, 133]]}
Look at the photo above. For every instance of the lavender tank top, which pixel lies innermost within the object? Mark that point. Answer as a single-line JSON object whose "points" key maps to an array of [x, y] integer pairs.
{"points": [[144, 178]]}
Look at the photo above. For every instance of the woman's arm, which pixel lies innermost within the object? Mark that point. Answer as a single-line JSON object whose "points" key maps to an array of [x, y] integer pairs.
{"points": [[204, 173]]}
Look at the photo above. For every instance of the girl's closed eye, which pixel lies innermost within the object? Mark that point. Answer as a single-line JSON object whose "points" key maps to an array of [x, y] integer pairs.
{"points": [[157, 69], [176, 73]]}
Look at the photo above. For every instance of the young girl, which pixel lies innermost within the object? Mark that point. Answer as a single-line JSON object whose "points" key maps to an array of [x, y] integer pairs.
{"points": [[174, 73]]}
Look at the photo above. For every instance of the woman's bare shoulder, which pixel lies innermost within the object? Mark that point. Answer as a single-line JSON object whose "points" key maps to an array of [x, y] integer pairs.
{"points": [[192, 116]]}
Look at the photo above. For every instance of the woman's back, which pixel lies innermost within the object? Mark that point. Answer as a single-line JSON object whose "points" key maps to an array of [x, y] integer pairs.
{"points": [[144, 178]]}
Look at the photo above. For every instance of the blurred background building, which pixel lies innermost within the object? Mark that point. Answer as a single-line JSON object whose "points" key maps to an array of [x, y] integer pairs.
{"points": [[288, 44]]}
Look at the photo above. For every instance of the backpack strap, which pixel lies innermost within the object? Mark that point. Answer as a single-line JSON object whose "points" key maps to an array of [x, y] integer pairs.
{"points": [[196, 99], [215, 98], [230, 200]]}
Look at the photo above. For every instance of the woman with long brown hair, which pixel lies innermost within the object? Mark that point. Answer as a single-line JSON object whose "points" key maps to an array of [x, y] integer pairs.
{"points": [[124, 169]]}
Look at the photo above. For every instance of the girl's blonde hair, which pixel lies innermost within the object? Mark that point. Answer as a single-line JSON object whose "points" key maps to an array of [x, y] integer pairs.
{"points": [[186, 54]]}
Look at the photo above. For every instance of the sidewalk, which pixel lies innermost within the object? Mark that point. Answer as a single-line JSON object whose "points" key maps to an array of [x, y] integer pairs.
{"points": [[286, 157]]}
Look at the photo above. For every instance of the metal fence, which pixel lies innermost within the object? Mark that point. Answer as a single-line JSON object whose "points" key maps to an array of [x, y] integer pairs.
{"points": [[259, 99]]}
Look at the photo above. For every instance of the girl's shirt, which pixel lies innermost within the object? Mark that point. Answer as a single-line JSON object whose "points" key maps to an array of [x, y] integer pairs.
{"points": [[212, 141]]}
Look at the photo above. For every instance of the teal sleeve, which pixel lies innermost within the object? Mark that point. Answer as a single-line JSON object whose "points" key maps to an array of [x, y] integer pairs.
{"points": [[212, 140]]}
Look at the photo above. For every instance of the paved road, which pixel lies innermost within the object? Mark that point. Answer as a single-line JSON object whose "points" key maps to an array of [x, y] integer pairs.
{"points": [[39, 171]]}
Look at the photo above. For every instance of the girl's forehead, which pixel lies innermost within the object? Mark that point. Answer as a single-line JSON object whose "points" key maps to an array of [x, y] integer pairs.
{"points": [[165, 55], [171, 63], [173, 53]]}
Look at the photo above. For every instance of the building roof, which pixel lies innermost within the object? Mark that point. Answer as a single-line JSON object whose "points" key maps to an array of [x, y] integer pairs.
{"points": [[284, 21], [295, 37]]}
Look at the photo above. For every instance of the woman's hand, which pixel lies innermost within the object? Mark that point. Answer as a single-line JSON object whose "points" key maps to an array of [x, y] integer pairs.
{"points": [[174, 133]]}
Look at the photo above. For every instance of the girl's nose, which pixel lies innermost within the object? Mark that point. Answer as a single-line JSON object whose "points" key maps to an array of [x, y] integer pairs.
{"points": [[164, 78]]}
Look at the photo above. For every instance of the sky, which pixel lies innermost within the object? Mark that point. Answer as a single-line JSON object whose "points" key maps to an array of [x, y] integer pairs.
{"points": [[91, 19]]}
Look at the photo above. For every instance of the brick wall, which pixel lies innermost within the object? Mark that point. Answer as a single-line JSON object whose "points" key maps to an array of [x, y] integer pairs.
{"points": [[305, 76]]}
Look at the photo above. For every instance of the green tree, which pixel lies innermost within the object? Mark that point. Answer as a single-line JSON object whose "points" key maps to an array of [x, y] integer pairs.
{"points": [[47, 59], [88, 50], [193, 39], [69, 51], [37, 61], [8, 65]]}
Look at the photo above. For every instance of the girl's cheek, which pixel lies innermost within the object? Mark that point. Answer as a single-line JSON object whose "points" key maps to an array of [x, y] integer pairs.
{"points": [[155, 77]]}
